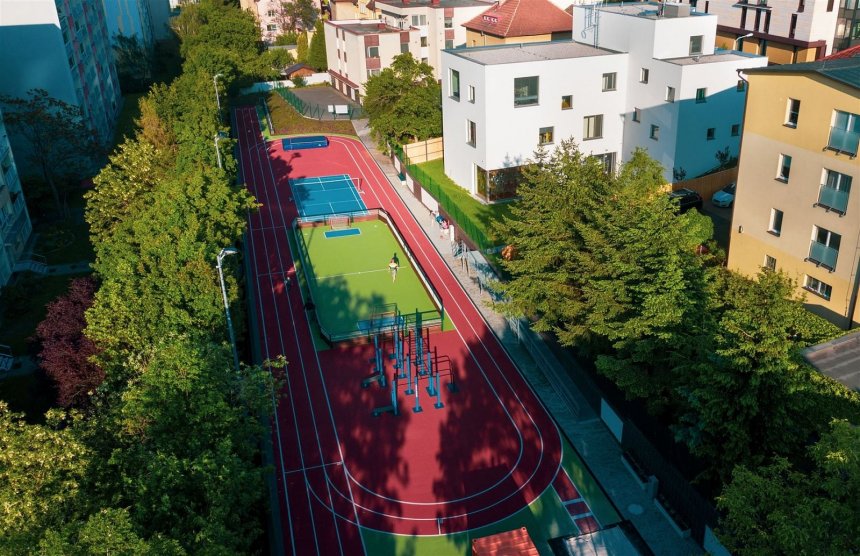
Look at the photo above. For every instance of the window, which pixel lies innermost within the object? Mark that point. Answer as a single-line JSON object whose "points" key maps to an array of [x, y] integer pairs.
{"points": [[637, 115], [762, 47], [701, 95], [372, 73], [471, 133], [655, 132], [271, 27], [775, 226], [609, 81], [696, 45], [792, 112], [525, 91], [608, 161], [711, 133], [757, 20], [449, 23], [742, 86], [449, 44], [373, 52], [743, 24], [455, 85], [844, 133], [643, 75], [784, 168], [769, 263], [423, 41], [824, 248], [829, 5], [801, 4], [271, 13], [545, 136], [471, 93], [767, 22], [425, 60], [834, 191], [592, 127], [793, 26], [344, 55], [670, 94], [736, 130], [404, 47], [567, 102], [419, 20], [817, 287]]}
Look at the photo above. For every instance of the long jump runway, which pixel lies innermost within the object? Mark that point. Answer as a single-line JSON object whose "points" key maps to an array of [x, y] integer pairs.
{"points": [[488, 453]]}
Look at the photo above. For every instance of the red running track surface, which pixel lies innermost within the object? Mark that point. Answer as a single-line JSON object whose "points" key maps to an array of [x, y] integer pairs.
{"points": [[490, 451]]}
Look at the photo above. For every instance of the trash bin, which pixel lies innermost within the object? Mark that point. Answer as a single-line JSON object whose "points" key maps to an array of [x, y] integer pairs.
{"points": [[402, 179]]}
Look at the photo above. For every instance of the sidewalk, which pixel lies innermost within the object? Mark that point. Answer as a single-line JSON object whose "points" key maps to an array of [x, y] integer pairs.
{"points": [[584, 429]]}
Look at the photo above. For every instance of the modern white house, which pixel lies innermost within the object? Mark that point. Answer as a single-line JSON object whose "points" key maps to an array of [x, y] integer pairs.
{"points": [[637, 75], [61, 46], [15, 224]]}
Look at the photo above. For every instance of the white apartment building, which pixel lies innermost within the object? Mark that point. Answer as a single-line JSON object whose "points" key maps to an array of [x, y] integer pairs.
{"points": [[271, 16], [15, 224], [359, 48], [786, 31], [638, 75], [61, 46], [439, 23]]}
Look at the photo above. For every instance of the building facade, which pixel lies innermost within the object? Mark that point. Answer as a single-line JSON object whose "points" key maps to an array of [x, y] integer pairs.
{"points": [[357, 49], [847, 25], [786, 31], [352, 9], [439, 23], [634, 77], [797, 208], [272, 17], [68, 53], [130, 18], [15, 224]]}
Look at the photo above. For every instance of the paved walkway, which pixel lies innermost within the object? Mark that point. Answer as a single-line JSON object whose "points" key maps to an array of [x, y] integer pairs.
{"points": [[585, 430]]}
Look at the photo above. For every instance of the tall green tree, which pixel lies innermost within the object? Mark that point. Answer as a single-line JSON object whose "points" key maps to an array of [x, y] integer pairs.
{"points": [[59, 145], [42, 468], [317, 53], [302, 47], [134, 63], [297, 14], [779, 509], [404, 102]]}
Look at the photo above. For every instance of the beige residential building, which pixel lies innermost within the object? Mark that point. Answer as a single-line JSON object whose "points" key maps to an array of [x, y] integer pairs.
{"points": [[797, 208], [518, 22], [357, 49], [786, 31]]}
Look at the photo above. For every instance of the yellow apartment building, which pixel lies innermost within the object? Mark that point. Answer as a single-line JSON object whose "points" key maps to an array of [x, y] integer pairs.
{"points": [[797, 208]]}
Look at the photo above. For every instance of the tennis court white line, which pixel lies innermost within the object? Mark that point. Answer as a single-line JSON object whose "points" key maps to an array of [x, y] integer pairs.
{"points": [[313, 467]]}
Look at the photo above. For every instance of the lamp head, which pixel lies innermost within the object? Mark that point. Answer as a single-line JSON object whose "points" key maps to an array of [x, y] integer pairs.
{"points": [[227, 251]]}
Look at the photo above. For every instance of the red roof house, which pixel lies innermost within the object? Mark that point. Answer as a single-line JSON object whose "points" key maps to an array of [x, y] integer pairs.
{"points": [[519, 21]]}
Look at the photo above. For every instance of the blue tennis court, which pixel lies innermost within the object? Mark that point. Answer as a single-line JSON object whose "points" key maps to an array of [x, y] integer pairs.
{"points": [[307, 142], [326, 195]]}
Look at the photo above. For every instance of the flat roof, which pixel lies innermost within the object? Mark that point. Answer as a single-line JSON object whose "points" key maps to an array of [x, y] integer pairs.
{"points": [[723, 56], [370, 28], [528, 52], [844, 70], [839, 359], [648, 10]]}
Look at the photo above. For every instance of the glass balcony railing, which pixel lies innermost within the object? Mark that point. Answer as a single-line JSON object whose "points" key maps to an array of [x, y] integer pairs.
{"points": [[833, 199], [843, 140], [823, 255]]}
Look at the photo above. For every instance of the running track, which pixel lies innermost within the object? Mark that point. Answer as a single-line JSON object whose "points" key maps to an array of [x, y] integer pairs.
{"points": [[491, 451]]}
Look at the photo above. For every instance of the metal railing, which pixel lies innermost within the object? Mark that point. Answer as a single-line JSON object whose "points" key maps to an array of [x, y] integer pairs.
{"points": [[833, 198], [317, 111], [823, 255], [843, 140]]}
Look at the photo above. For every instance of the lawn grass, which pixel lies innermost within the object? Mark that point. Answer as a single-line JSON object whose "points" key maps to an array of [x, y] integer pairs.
{"points": [[19, 323], [482, 215], [287, 121]]}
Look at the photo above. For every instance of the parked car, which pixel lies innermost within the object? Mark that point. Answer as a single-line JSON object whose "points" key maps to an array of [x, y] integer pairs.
{"points": [[687, 199], [725, 196]]}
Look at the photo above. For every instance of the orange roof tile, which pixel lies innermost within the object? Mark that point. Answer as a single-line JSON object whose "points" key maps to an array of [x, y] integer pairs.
{"points": [[853, 52], [522, 18]]}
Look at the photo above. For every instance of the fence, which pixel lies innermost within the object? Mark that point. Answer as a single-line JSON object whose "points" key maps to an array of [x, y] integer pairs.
{"points": [[317, 111], [448, 206], [263, 86], [424, 151], [706, 186]]}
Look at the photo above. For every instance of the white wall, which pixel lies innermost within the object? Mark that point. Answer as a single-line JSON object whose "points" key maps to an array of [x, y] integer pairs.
{"points": [[508, 135]]}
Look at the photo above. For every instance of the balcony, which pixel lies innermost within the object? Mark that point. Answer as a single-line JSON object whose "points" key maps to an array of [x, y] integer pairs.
{"points": [[843, 141], [833, 199], [11, 176], [823, 255]]}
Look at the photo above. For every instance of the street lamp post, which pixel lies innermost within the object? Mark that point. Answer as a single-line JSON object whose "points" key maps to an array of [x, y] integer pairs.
{"points": [[218, 151], [226, 252], [737, 40], [217, 96]]}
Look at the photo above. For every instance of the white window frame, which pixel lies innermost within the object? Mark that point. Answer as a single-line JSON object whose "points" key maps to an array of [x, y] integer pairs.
{"points": [[592, 127], [819, 288], [527, 100], [769, 263], [470, 94], [792, 114], [644, 73], [454, 84], [783, 169], [542, 131], [369, 52], [471, 133], [609, 81], [637, 115], [670, 94], [696, 51], [655, 132], [776, 217]]}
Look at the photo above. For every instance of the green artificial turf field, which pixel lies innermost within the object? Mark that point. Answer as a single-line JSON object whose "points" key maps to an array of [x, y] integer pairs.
{"points": [[350, 280]]}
